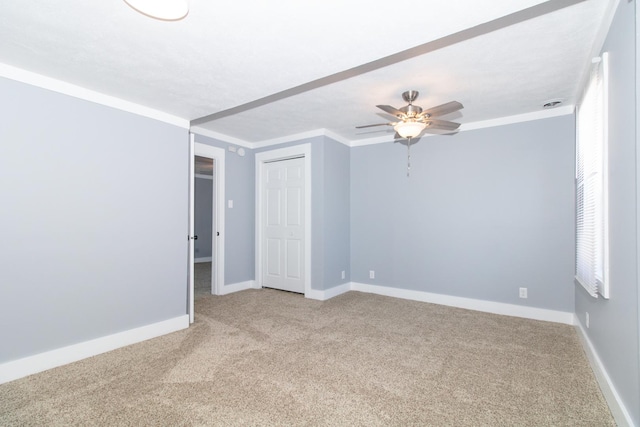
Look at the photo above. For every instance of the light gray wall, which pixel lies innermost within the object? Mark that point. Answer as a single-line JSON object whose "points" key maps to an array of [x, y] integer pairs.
{"points": [[337, 206], [239, 255], [613, 325], [203, 218], [317, 212], [484, 212], [81, 257]]}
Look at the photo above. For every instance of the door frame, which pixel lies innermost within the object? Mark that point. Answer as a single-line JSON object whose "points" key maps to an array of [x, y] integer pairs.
{"points": [[284, 154], [217, 242]]}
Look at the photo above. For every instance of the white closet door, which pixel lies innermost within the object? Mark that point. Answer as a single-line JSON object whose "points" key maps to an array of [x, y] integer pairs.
{"points": [[283, 225]]}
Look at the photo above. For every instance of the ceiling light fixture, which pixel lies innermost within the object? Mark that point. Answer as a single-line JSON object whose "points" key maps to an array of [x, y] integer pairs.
{"points": [[409, 129], [413, 119], [166, 10]]}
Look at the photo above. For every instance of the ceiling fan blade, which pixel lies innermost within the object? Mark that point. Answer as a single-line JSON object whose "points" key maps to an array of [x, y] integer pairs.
{"points": [[441, 124], [391, 110], [378, 124], [443, 109]]}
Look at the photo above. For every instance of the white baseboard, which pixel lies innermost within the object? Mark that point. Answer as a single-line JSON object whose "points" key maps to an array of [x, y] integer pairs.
{"points": [[469, 303], [618, 410], [452, 301], [240, 286], [203, 259], [16, 369], [328, 293]]}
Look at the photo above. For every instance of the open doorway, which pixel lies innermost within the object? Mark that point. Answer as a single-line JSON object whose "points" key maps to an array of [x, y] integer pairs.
{"points": [[212, 158], [204, 219]]}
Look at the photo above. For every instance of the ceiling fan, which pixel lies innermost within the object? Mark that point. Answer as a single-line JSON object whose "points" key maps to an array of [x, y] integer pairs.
{"points": [[412, 119]]}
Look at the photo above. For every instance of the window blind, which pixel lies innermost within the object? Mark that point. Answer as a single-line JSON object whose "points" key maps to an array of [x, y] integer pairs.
{"points": [[591, 184]]}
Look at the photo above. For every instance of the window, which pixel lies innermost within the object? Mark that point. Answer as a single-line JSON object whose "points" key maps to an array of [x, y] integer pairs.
{"points": [[592, 183]]}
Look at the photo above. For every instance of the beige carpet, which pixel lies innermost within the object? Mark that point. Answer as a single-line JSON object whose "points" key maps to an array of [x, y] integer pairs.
{"points": [[264, 357], [202, 278]]}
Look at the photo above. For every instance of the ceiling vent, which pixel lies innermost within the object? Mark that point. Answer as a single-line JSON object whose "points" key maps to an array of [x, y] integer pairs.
{"points": [[552, 103]]}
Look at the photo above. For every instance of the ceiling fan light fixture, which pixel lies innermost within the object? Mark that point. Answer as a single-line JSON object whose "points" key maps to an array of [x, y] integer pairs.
{"points": [[166, 10], [409, 129]]}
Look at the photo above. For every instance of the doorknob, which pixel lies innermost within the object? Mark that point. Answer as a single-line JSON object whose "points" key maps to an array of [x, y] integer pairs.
{"points": [[194, 237]]}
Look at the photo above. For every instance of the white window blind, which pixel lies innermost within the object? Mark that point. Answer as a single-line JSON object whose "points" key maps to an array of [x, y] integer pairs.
{"points": [[592, 183]]}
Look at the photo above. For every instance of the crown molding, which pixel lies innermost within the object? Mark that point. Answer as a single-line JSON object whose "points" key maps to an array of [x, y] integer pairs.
{"points": [[519, 118], [79, 92], [222, 137], [338, 138], [501, 121], [269, 142], [59, 86], [304, 135]]}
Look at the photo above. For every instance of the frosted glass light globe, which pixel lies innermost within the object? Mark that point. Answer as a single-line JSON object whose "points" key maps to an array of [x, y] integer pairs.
{"points": [[167, 10], [409, 129]]}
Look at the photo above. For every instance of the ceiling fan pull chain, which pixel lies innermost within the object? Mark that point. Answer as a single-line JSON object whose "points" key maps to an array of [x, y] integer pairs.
{"points": [[409, 157], [412, 120]]}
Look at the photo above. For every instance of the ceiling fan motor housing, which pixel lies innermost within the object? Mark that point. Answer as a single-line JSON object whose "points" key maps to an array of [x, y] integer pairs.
{"points": [[411, 110]]}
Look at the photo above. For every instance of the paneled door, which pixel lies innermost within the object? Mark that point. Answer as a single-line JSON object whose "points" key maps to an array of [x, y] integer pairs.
{"points": [[282, 219]]}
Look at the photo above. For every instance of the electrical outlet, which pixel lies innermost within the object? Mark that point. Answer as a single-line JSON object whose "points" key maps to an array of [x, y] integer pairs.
{"points": [[344, 274], [586, 318], [372, 274], [523, 292]]}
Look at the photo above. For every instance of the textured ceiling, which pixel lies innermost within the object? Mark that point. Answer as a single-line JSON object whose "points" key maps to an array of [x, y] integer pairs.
{"points": [[264, 70]]}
